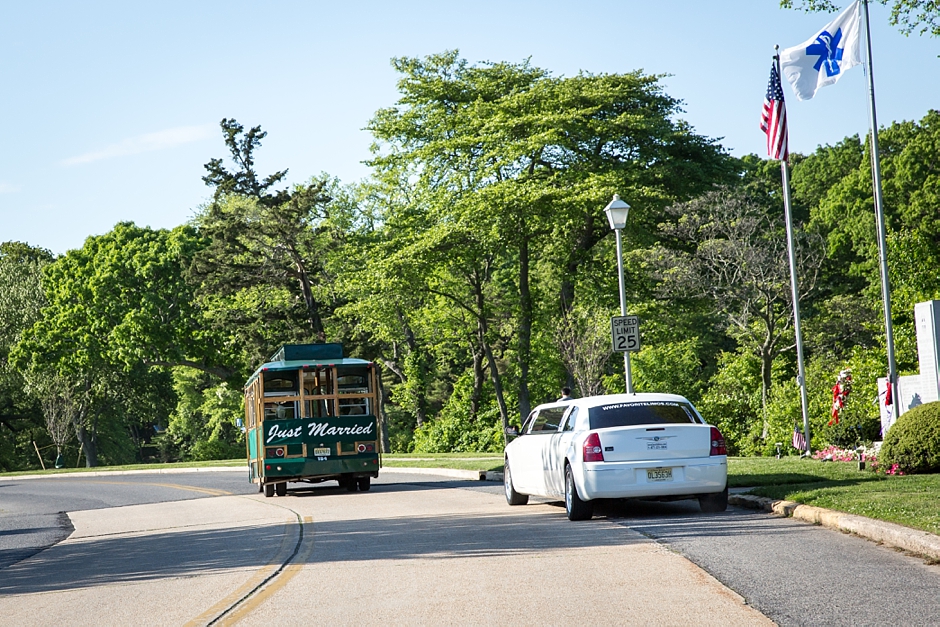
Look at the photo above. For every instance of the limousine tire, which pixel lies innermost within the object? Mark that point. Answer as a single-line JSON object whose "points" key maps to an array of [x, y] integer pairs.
{"points": [[268, 490], [281, 488], [711, 503], [574, 506], [512, 497], [364, 483]]}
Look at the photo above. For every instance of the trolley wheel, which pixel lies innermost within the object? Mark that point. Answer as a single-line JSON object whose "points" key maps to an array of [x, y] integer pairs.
{"points": [[364, 483], [350, 483], [281, 488], [268, 490]]}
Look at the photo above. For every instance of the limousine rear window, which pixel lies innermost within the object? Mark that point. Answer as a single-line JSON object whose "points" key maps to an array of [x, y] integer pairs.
{"points": [[648, 413]]}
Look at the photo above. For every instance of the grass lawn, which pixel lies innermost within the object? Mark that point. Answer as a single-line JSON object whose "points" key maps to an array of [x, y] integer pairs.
{"points": [[912, 501], [61, 471]]}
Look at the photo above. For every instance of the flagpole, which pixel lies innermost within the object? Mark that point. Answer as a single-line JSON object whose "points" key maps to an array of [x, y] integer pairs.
{"points": [[794, 289], [880, 220]]}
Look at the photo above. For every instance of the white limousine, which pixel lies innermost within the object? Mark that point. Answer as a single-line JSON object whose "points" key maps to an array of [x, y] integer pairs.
{"points": [[617, 446]]}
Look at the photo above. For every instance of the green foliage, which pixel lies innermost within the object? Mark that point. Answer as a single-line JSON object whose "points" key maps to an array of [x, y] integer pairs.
{"points": [[265, 248], [203, 424], [845, 216], [454, 430], [21, 300], [489, 185], [401, 428], [121, 300], [913, 442], [733, 402], [673, 368], [117, 311], [859, 422]]}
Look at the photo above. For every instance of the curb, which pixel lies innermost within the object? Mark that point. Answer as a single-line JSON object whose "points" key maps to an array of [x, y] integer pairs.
{"points": [[456, 473], [889, 534]]}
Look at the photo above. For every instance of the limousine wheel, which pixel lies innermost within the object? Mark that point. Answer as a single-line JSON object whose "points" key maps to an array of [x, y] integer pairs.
{"points": [[512, 497], [574, 506], [717, 502]]}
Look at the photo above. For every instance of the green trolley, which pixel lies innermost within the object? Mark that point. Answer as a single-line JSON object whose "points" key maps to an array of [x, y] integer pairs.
{"points": [[311, 415]]}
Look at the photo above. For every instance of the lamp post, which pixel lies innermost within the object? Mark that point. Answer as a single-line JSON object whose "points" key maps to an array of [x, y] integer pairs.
{"points": [[617, 211]]}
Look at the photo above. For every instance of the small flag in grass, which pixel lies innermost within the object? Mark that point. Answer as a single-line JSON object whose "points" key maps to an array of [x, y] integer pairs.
{"points": [[799, 440]]}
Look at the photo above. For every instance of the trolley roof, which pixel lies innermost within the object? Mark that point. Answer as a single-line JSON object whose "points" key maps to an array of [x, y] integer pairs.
{"points": [[308, 357]]}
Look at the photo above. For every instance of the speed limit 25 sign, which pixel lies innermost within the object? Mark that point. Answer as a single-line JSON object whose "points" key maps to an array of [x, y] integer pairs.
{"points": [[625, 333]]}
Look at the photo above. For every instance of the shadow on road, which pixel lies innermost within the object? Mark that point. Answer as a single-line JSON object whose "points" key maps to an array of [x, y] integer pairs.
{"points": [[127, 559], [107, 560], [519, 530]]}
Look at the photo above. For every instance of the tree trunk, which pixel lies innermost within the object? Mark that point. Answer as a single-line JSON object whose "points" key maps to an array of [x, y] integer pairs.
{"points": [[525, 328], [766, 363], [86, 438], [384, 441], [585, 239], [89, 447], [476, 395], [497, 382], [491, 361], [412, 343], [313, 309]]}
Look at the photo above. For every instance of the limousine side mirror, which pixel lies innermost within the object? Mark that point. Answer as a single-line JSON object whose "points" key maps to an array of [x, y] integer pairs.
{"points": [[512, 432]]}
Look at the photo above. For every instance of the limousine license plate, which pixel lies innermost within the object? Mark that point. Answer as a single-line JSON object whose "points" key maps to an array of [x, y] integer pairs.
{"points": [[659, 474], [321, 452]]}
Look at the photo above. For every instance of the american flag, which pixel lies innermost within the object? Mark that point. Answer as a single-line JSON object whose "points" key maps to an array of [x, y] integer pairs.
{"points": [[799, 440], [773, 120]]}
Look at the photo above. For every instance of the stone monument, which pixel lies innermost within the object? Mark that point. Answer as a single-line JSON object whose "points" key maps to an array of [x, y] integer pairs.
{"points": [[924, 387]]}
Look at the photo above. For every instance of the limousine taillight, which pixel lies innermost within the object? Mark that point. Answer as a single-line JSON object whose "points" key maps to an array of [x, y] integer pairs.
{"points": [[593, 451], [718, 443]]}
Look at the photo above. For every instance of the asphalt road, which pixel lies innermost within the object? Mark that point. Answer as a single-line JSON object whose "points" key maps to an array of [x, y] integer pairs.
{"points": [[32, 511], [793, 573]]}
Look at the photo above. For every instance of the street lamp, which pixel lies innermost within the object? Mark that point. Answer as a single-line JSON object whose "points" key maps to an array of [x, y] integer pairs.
{"points": [[617, 211]]}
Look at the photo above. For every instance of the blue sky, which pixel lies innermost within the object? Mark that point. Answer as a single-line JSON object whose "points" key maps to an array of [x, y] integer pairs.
{"points": [[112, 108]]}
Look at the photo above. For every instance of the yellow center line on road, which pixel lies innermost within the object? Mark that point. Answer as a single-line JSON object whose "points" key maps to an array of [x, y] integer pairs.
{"points": [[175, 486], [279, 581], [253, 582]]}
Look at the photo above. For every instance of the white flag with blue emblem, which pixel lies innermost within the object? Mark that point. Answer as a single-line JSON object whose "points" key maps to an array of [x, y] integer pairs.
{"points": [[822, 59]]}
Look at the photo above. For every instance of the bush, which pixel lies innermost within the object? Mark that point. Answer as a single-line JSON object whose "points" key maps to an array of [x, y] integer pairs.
{"points": [[913, 442], [401, 425], [732, 402], [216, 449], [456, 433]]}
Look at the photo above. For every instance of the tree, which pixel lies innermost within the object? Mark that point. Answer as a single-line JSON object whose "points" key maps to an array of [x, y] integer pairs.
{"points": [[910, 15], [264, 246], [584, 340], [21, 300], [732, 253], [520, 163], [60, 405], [842, 209], [118, 310]]}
